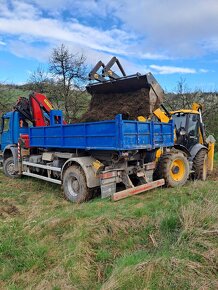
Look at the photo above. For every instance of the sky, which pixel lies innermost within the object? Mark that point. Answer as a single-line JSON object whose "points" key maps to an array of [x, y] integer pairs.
{"points": [[172, 39]]}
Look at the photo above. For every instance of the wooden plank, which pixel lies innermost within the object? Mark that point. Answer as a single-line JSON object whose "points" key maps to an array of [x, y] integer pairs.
{"points": [[136, 190]]}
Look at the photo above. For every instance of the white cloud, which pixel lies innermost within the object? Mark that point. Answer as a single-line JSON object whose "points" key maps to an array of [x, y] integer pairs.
{"points": [[24, 20], [177, 28], [202, 70], [18, 9], [172, 69], [149, 30], [45, 28], [160, 29], [149, 55], [166, 29], [28, 50]]}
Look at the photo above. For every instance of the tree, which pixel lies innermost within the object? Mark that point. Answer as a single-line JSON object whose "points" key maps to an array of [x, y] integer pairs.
{"points": [[7, 97], [38, 80], [181, 98], [69, 72], [184, 97]]}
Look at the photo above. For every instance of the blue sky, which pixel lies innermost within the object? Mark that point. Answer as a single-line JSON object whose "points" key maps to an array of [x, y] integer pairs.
{"points": [[172, 39]]}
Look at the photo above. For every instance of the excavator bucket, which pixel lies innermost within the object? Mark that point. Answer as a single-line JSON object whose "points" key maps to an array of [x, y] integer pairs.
{"points": [[133, 96], [123, 84]]}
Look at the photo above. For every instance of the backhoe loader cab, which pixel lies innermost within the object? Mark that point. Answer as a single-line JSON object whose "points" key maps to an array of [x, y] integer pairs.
{"points": [[189, 129]]}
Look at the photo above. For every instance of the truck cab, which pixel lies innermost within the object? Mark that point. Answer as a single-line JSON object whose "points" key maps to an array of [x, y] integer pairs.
{"points": [[12, 125]]}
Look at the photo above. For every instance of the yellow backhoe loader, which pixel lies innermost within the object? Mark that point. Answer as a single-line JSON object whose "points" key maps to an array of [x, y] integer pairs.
{"points": [[191, 140]]}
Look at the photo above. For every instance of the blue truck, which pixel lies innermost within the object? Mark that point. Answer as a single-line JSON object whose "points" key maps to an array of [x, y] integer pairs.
{"points": [[117, 156], [85, 156]]}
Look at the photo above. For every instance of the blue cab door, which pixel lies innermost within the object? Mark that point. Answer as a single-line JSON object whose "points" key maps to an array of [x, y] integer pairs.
{"points": [[6, 130], [13, 124]]}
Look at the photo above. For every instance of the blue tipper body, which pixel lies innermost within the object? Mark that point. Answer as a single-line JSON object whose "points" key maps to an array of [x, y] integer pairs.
{"points": [[114, 134]]}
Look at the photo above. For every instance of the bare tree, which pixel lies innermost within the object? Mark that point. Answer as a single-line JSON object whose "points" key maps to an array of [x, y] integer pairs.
{"points": [[183, 98], [69, 71], [38, 80]]}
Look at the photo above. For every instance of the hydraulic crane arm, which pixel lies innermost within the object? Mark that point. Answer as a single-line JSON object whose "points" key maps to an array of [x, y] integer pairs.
{"points": [[40, 106], [36, 109]]}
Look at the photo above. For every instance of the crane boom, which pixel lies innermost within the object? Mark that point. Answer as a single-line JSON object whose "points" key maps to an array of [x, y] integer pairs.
{"points": [[36, 109]]}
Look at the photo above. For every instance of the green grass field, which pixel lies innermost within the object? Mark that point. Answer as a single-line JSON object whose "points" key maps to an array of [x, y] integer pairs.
{"points": [[163, 239]]}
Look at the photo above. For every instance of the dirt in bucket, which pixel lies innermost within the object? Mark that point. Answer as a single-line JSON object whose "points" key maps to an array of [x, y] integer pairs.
{"points": [[129, 104]]}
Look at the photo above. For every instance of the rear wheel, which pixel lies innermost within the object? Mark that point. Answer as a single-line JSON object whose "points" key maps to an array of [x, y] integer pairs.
{"points": [[9, 168], [174, 168], [74, 183], [200, 165]]}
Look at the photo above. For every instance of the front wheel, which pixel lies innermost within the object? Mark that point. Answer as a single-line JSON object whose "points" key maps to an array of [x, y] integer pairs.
{"points": [[9, 168], [74, 183], [174, 168], [200, 165]]}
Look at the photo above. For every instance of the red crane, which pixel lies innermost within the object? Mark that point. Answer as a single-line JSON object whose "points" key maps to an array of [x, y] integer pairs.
{"points": [[36, 109]]}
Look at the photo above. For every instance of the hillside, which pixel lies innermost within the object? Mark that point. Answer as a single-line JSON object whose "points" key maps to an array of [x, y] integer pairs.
{"points": [[163, 239]]}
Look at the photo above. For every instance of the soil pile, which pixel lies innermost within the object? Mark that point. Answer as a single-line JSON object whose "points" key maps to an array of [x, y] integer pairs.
{"points": [[129, 104]]}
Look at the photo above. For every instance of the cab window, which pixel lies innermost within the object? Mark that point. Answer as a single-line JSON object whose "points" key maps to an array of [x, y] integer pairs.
{"points": [[6, 124], [179, 120], [193, 125], [23, 123]]}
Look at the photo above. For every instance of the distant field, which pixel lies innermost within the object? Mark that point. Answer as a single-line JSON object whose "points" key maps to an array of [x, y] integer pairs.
{"points": [[163, 239]]}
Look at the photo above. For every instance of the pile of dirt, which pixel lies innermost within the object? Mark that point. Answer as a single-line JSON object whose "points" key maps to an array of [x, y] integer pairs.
{"points": [[214, 174], [129, 104], [8, 209]]}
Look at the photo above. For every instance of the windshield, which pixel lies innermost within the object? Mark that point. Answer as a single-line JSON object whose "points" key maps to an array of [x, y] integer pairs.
{"points": [[179, 120]]}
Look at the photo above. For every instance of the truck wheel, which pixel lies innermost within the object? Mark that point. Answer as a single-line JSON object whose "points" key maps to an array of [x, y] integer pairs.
{"points": [[74, 183], [174, 168], [9, 169], [200, 165]]}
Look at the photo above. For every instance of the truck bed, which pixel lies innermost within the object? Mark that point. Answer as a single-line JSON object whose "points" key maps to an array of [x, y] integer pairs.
{"points": [[114, 134]]}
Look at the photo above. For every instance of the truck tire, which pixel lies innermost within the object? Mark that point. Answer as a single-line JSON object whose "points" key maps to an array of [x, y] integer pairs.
{"points": [[8, 168], [173, 168], [200, 165], [74, 184]]}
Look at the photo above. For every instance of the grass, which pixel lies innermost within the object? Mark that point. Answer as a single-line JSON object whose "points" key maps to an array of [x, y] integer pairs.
{"points": [[163, 239]]}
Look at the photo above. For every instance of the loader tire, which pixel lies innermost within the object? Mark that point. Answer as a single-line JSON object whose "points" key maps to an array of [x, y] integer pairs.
{"points": [[200, 165], [173, 168], [74, 184], [9, 169]]}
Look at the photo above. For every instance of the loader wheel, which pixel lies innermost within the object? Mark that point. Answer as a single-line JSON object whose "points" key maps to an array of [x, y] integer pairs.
{"points": [[74, 183], [174, 168], [9, 169], [200, 165]]}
